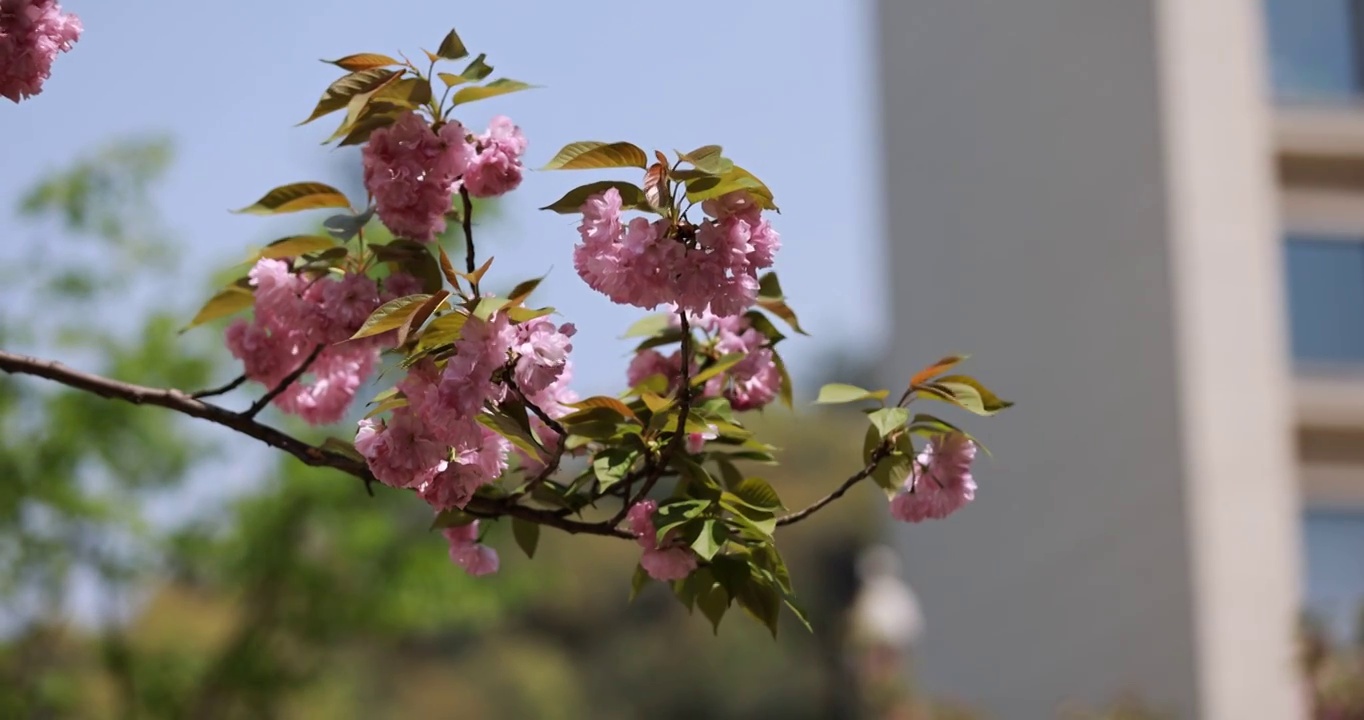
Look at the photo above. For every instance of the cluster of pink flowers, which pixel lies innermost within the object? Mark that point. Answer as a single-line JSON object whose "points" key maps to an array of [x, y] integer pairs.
{"points": [[751, 384], [467, 552], [32, 32], [413, 170], [435, 444], [666, 561], [940, 482], [295, 315], [496, 169], [648, 264], [410, 169]]}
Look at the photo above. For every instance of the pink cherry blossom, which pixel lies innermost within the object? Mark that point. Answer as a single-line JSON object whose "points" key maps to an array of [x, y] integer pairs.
{"points": [[667, 561], [496, 170], [324, 394], [32, 33], [480, 459], [542, 352], [940, 483], [466, 383], [400, 284], [465, 550], [411, 170], [647, 264], [399, 452]]}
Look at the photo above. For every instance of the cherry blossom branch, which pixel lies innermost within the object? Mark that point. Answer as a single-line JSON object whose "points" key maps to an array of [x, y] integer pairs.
{"points": [[551, 465], [186, 404], [288, 380], [675, 444], [467, 222], [220, 390], [181, 402], [877, 456]]}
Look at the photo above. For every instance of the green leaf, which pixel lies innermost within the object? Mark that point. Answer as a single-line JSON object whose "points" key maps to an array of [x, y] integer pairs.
{"points": [[593, 155], [523, 290], [359, 132], [783, 311], [631, 196], [967, 393], [759, 322], [787, 388], [715, 368], [409, 93], [385, 406], [709, 541], [799, 612], [731, 571], [888, 420], [891, 472], [611, 466], [345, 226], [729, 473], [527, 535], [758, 494], [295, 246], [761, 599], [451, 79], [733, 179], [835, 393], [229, 301], [521, 314], [442, 331], [648, 326], [419, 316], [488, 306], [604, 402], [390, 315], [711, 598], [638, 581], [362, 61], [478, 69], [452, 48], [501, 86], [296, 197], [502, 424], [870, 442], [708, 159], [342, 447], [339, 93]]}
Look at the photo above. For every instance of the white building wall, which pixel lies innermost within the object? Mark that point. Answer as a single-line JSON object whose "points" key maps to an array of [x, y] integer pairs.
{"points": [[1079, 195]]}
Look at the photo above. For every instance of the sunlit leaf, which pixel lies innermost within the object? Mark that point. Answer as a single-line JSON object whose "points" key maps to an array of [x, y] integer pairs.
{"points": [[229, 301], [339, 93], [596, 155], [295, 197], [835, 393], [295, 246], [935, 369], [609, 403], [648, 326], [363, 61], [967, 393], [391, 315], [419, 316], [888, 420], [501, 86], [451, 79]]}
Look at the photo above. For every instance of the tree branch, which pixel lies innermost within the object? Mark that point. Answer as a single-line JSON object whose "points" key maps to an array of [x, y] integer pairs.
{"points": [[183, 403], [877, 456], [467, 222], [221, 389]]}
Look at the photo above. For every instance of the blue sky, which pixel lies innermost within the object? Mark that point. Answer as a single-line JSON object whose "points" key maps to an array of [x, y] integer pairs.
{"points": [[786, 87]]}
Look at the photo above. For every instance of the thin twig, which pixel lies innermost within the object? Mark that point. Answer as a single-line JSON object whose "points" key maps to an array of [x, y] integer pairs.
{"points": [[551, 465], [467, 221], [877, 456], [220, 390], [180, 401], [678, 440], [288, 380]]}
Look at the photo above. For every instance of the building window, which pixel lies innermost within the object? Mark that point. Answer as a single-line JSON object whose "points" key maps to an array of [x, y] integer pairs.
{"points": [[1326, 300], [1314, 48]]}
